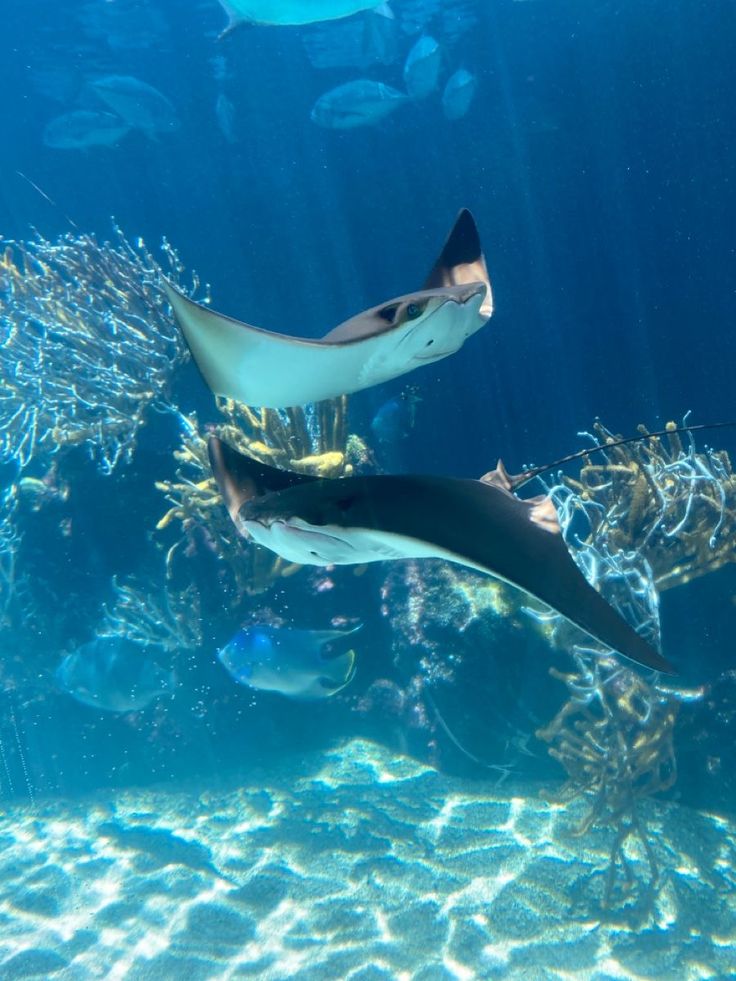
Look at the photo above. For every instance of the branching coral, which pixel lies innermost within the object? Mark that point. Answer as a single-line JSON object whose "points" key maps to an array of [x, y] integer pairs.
{"points": [[674, 505], [312, 440], [656, 515], [9, 545], [159, 618], [614, 737], [87, 345]]}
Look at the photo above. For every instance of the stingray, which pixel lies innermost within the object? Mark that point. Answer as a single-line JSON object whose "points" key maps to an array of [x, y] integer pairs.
{"points": [[297, 12], [480, 524], [274, 370]]}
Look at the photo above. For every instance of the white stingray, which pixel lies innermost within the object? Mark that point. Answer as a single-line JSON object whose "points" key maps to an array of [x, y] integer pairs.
{"points": [[296, 12], [274, 370]]}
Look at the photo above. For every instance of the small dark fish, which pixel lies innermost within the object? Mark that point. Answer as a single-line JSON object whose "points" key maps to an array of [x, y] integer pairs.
{"points": [[162, 845], [113, 674], [296, 663]]}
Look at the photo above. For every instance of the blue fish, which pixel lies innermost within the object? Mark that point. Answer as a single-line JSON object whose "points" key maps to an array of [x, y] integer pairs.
{"points": [[296, 663], [113, 674]]}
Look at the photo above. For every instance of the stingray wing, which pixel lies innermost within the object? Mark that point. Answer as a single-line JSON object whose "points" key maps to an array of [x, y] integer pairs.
{"points": [[461, 261], [260, 367], [485, 527]]}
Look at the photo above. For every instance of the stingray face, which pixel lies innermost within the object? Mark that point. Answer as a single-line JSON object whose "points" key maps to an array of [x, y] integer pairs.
{"points": [[437, 323], [298, 541]]}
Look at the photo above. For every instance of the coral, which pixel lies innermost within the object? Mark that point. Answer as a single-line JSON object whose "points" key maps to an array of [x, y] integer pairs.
{"points": [[87, 345], [160, 618], [656, 515], [614, 737], [9, 546], [675, 506], [650, 516], [311, 440]]}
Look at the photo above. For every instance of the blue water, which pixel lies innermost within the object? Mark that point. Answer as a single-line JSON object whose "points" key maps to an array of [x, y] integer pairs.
{"points": [[597, 159]]}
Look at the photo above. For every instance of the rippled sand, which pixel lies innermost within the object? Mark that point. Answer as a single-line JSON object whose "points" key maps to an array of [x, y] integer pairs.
{"points": [[354, 864]]}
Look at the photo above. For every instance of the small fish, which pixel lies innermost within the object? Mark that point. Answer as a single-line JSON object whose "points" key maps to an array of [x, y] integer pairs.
{"points": [[458, 95], [283, 13], [361, 102], [422, 68], [297, 663], [137, 103], [82, 129], [113, 674]]}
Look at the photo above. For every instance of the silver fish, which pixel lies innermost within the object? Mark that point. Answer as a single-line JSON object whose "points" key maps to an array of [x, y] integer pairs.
{"points": [[84, 128], [139, 104], [113, 674], [361, 102], [459, 94], [422, 68]]}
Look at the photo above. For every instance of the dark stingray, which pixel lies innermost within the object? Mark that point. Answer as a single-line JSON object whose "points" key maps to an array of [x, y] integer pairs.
{"points": [[480, 524]]}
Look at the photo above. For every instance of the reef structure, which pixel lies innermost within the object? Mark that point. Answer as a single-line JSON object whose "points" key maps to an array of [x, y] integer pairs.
{"points": [[639, 518], [671, 503], [87, 345], [88, 351]]}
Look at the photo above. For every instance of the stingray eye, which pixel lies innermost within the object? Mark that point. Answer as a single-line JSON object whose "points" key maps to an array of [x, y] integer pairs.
{"points": [[389, 313], [413, 311], [430, 342]]}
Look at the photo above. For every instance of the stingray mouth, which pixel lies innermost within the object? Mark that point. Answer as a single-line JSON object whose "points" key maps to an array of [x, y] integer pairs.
{"points": [[438, 355], [297, 541], [464, 311]]}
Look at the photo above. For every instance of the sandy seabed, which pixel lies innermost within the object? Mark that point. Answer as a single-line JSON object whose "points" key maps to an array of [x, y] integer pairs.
{"points": [[354, 864]]}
